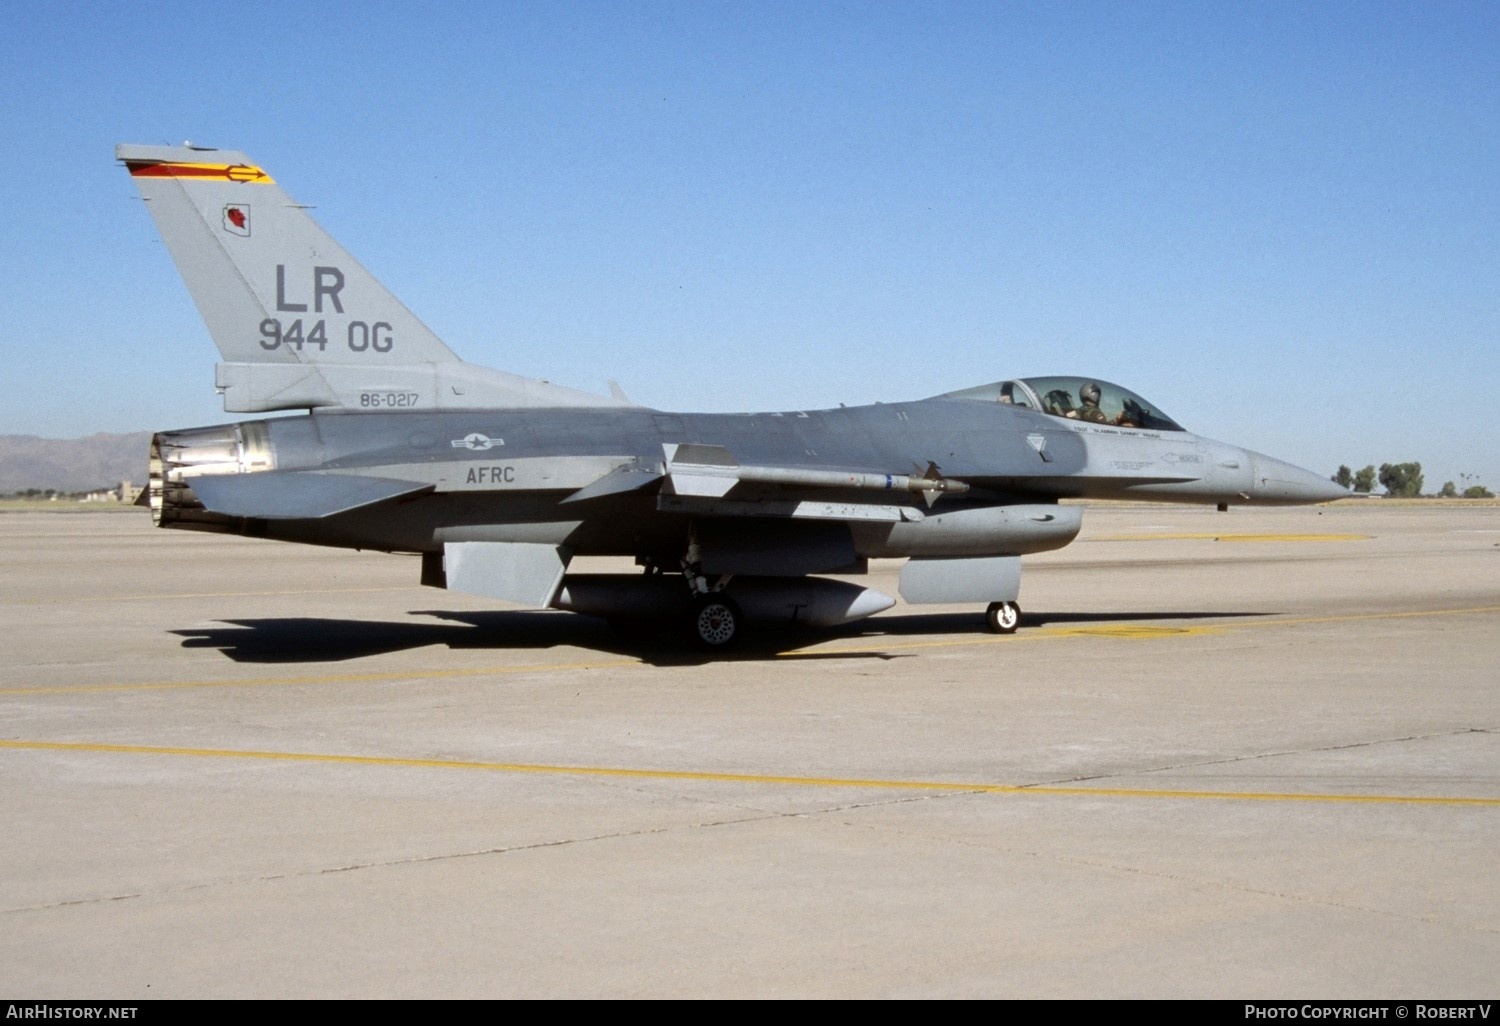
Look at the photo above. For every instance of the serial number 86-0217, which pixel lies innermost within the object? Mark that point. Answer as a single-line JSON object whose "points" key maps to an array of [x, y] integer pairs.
{"points": [[389, 400]]}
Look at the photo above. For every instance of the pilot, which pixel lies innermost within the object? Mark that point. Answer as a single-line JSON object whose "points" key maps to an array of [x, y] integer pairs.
{"points": [[1090, 411]]}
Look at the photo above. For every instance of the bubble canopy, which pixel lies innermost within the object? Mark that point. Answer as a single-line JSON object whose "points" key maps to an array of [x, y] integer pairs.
{"points": [[1091, 400]]}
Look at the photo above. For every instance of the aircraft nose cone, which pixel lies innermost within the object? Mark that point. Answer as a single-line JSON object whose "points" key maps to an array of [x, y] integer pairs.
{"points": [[1276, 483]]}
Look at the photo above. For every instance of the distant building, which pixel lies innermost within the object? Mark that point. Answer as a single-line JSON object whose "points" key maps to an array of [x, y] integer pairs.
{"points": [[122, 492]]}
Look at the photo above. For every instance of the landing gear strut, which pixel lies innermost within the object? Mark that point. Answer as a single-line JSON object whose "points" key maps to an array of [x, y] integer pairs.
{"points": [[1002, 617], [716, 619]]}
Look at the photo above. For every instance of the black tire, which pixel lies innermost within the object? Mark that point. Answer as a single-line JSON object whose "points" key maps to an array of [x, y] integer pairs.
{"points": [[1002, 617], [716, 622]]}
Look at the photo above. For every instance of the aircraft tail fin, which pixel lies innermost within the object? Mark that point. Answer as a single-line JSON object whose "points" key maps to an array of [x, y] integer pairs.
{"points": [[299, 322]]}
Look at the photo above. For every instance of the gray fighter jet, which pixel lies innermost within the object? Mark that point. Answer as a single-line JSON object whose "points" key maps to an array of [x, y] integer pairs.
{"points": [[498, 481]]}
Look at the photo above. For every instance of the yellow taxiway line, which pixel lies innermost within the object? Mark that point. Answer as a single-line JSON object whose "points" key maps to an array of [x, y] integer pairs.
{"points": [[735, 778]]}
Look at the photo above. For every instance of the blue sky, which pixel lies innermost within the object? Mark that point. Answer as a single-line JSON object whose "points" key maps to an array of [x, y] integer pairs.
{"points": [[1278, 221]]}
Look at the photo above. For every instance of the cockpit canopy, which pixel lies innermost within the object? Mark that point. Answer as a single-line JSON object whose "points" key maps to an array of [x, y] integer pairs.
{"points": [[1087, 399]]}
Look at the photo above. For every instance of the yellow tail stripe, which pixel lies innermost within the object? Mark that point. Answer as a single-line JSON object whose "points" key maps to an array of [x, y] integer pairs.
{"points": [[226, 172]]}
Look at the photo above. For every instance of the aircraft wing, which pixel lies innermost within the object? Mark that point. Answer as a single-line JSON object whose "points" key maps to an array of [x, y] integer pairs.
{"points": [[296, 495]]}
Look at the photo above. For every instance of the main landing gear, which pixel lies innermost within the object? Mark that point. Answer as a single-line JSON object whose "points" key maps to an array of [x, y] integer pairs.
{"points": [[716, 621], [1002, 617]]}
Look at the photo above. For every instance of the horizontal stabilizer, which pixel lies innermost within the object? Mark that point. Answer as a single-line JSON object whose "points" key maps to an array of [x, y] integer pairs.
{"points": [[295, 495]]}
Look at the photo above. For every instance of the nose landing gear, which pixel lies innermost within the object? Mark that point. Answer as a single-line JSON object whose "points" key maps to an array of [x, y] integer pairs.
{"points": [[1002, 617]]}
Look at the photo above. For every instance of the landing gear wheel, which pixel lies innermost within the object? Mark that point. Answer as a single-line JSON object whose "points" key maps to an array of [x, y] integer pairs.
{"points": [[716, 622], [1002, 617]]}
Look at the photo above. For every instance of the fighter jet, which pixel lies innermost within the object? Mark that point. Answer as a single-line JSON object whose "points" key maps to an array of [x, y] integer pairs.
{"points": [[499, 481]]}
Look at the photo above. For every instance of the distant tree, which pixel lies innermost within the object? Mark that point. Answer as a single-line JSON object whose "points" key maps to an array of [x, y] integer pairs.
{"points": [[1401, 480], [1364, 480], [1344, 478], [1449, 490], [1478, 492]]}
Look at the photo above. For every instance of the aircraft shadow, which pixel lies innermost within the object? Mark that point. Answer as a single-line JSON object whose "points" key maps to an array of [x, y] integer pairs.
{"points": [[903, 625], [312, 640]]}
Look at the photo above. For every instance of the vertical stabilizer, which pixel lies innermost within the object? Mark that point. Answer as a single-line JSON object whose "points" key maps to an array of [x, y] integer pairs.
{"points": [[299, 322]]}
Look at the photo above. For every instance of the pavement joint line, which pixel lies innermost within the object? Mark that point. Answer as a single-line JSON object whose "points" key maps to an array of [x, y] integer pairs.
{"points": [[741, 778], [1116, 631], [1281, 754]]}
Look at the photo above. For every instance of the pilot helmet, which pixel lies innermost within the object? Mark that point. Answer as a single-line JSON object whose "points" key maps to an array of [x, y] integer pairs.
{"points": [[1089, 393]]}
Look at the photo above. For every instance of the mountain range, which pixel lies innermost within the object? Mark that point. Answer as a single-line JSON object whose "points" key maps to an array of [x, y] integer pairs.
{"points": [[74, 464]]}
